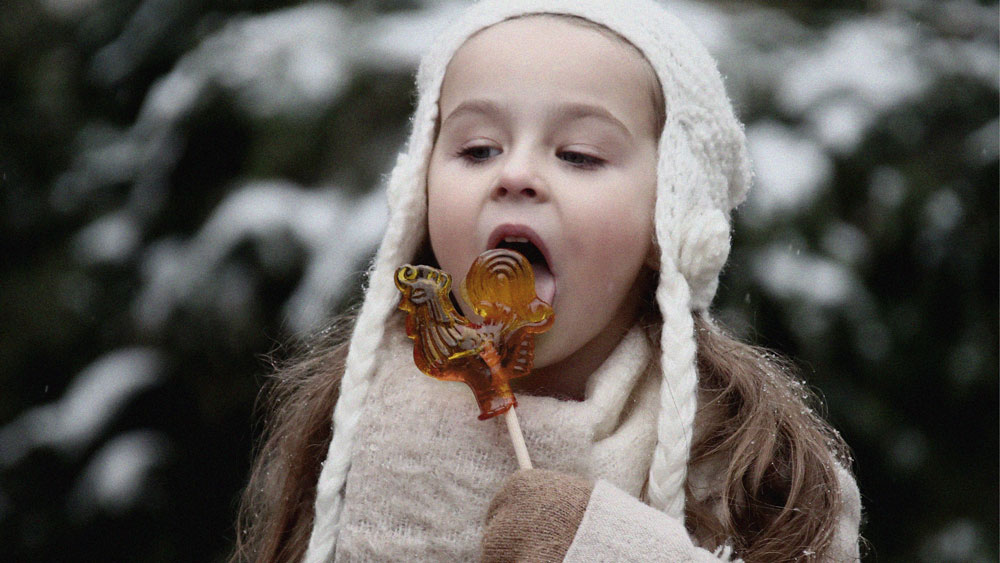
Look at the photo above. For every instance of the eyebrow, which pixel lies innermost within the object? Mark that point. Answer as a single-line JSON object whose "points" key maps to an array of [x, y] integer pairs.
{"points": [[474, 106], [568, 111], [572, 111]]}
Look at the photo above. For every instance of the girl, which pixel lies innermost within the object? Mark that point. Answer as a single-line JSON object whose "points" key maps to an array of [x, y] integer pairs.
{"points": [[597, 138]]}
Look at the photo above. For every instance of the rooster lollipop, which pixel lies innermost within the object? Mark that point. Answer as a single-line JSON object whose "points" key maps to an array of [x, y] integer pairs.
{"points": [[500, 289]]}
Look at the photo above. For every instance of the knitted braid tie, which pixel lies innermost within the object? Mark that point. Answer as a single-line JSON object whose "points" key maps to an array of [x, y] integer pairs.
{"points": [[678, 382], [678, 398], [354, 388]]}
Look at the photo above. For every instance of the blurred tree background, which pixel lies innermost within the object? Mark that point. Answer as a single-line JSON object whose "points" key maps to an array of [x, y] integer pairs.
{"points": [[189, 186]]}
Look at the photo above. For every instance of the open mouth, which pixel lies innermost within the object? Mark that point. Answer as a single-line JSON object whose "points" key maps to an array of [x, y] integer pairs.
{"points": [[545, 283]]}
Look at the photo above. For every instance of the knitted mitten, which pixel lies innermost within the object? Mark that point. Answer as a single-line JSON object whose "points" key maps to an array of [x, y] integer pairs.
{"points": [[535, 515]]}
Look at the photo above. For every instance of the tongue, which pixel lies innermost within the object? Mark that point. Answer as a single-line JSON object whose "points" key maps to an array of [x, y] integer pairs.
{"points": [[545, 282]]}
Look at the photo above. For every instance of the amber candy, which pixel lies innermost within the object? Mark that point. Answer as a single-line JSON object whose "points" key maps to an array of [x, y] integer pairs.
{"points": [[500, 289]]}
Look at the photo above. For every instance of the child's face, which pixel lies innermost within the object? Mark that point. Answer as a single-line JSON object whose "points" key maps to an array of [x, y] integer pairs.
{"points": [[548, 134]]}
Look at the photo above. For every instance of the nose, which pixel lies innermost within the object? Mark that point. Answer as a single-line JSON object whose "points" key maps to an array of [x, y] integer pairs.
{"points": [[520, 178]]}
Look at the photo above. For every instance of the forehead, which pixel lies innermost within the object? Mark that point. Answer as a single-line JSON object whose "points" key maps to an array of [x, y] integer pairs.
{"points": [[547, 58]]}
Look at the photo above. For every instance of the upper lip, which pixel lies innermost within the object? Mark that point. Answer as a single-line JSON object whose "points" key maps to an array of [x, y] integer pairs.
{"points": [[515, 230]]}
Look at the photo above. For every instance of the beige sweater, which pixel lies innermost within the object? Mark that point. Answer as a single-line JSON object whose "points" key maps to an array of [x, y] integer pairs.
{"points": [[424, 469]]}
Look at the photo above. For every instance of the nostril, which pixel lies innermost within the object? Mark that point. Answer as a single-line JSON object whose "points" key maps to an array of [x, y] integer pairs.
{"points": [[517, 191]]}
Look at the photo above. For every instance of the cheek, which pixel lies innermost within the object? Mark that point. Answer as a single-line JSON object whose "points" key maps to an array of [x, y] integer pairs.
{"points": [[449, 193], [450, 225], [442, 201], [622, 230], [443, 226], [619, 243]]}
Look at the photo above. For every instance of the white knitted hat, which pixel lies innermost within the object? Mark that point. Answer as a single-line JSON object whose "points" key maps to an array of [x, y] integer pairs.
{"points": [[703, 173]]}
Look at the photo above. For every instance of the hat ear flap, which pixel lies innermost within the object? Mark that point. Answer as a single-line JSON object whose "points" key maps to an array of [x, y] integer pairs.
{"points": [[704, 244], [689, 219]]}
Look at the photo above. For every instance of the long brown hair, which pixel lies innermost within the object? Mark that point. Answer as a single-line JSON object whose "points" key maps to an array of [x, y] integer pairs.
{"points": [[779, 498], [276, 511], [758, 429]]}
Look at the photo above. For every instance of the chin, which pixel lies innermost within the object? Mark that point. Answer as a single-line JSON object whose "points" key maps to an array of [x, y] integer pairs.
{"points": [[548, 356], [546, 353]]}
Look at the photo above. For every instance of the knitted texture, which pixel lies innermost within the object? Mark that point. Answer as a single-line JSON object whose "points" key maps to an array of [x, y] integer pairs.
{"points": [[423, 478], [617, 527], [703, 173], [424, 470], [535, 516]]}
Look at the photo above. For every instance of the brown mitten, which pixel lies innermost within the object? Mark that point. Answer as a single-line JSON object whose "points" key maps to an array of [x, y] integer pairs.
{"points": [[535, 515]]}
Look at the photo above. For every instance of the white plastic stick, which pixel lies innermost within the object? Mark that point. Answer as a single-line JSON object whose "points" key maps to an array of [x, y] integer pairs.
{"points": [[520, 449]]}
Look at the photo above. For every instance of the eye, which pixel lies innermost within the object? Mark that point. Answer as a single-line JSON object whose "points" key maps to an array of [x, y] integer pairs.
{"points": [[478, 153], [580, 160]]}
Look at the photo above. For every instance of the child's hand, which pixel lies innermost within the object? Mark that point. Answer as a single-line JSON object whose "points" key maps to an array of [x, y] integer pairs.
{"points": [[535, 515]]}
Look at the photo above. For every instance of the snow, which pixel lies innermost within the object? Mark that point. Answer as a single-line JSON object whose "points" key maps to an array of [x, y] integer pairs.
{"points": [[329, 276], [959, 540], [943, 211], [109, 239], [964, 17], [174, 94], [791, 274], [870, 59], [335, 229], [712, 26], [287, 62], [841, 124], [69, 9], [397, 40], [91, 402], [845, 242], [102, 160], [790, 170], [150, 23], [859, 70], [977, 58], [117, 474], [983, 145], [284, 62], [887, 187]]}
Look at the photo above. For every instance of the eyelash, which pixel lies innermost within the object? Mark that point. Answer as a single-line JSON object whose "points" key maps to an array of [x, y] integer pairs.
{"points": [[468, 154], [581, 160], [573, 158]]}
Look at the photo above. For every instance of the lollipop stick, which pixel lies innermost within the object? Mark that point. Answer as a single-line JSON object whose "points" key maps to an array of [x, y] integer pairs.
{"points": [[520, 450], [492, 359]]}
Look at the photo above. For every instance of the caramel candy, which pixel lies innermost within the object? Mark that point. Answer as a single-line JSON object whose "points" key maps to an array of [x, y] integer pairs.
{"points": [[500, 289]]}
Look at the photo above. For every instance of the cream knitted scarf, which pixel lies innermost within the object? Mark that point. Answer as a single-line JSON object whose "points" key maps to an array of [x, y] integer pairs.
{"points": [[424, 470]]}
